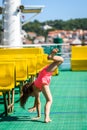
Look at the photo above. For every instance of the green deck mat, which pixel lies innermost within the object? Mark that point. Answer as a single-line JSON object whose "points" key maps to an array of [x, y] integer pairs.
{"points": [[68, 111]]}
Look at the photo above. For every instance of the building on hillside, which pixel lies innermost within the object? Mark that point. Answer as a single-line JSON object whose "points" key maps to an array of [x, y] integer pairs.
{"points": [[39, 40]]}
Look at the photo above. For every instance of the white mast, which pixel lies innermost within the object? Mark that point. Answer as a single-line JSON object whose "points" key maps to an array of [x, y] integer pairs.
{"points": [[11, 23]]}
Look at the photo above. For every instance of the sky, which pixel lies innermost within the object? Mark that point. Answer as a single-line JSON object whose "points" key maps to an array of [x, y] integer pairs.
{"points": [[57, 9]]}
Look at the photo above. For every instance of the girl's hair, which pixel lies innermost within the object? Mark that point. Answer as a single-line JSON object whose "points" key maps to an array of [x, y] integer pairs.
{"points": [[27, 89]]}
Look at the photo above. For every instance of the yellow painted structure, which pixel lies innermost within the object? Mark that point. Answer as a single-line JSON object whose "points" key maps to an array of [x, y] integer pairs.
{"points": [[79, 58]]}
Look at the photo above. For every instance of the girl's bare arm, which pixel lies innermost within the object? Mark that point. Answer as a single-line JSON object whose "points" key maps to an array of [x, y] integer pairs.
{"points": [[38, 106]]}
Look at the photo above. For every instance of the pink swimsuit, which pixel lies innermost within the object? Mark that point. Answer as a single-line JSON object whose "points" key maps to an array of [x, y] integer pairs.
{"points": [[43, 78]]}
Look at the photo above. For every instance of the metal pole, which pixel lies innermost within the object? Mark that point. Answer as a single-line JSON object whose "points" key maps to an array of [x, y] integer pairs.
{"points": [[11, 23]]}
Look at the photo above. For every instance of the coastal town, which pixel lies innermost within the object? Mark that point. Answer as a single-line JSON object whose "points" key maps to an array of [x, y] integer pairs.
{"points": [[73, 37]]}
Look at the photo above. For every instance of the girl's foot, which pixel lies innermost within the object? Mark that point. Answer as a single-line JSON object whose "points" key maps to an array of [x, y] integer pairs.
{"points": [[47, 120], [54, 51]]}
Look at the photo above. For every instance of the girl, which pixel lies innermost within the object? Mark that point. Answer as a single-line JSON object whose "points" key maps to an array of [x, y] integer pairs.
{"points": [[41, 84]]}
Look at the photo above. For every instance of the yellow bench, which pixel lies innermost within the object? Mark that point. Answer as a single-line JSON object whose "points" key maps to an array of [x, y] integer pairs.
{"points": [[79, 58], [32, 66], [7, 84], [24, 51], [33, 56], [0, 93], [20, 69]]}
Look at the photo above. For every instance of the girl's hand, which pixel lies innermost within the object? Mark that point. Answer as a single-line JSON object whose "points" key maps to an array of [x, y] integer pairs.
{"points": [[36, 118], [33, 109]]}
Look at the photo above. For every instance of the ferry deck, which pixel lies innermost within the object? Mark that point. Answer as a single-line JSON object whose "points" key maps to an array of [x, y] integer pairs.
{"points": [[68, 111]]}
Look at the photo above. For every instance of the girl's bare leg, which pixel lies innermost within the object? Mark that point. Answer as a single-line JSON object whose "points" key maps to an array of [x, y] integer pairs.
{"points": [[48, 96], [57, 60]]}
